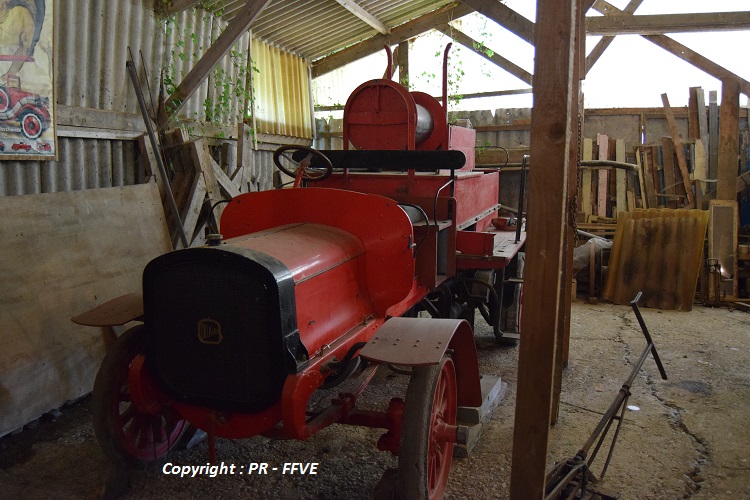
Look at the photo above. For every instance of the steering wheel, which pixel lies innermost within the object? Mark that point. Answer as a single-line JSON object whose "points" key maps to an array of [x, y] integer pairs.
{"points": [[302, 169]]}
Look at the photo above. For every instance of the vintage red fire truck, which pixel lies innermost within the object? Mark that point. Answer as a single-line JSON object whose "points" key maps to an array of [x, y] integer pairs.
{"points": [[378, 256]]}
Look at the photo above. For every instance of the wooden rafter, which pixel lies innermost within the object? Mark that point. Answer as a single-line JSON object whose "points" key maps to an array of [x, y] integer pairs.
{"points": [[606, 41], [234, 30], [504, 16], [622, 24], [397, 35], [683, 52], [493, 57], [365, 16]]}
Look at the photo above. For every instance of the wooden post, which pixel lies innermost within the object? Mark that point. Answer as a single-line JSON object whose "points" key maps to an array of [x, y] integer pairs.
{"points": [[550, 148], [729, 122]]}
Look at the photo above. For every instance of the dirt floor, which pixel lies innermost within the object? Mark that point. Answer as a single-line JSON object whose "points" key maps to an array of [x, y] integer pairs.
{"points": [[686, 437]]}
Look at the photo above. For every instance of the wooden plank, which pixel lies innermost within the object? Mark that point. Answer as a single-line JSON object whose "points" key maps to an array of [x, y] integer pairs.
{"points": [[398, 34], [726, 180], [64, 253], [554, 70], [193, 211], [202, 157], [713, 134], [677, 141], [506, 17], [234, 30], [722, 242], [683, 52], [606, 41], [648, 178], [493, 57], [586, 178], [656, 168], [364, 15], [602, 142], [631, 199], [621, 177], [641, 177], [693, 127], [622, 24], [668, 168], [700, 103], [700, 169]]}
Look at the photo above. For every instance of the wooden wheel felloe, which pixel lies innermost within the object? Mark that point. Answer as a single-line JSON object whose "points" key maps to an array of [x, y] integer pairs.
{"points": [[428, 432], [124, 432]]}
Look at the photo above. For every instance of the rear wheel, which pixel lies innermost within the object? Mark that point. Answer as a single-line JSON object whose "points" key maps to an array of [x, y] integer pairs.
{"points": [[125, 433], [426, 448], [4, 100]]}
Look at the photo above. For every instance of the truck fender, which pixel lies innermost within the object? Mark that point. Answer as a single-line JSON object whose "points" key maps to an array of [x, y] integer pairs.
{"points": [[424, 341]]}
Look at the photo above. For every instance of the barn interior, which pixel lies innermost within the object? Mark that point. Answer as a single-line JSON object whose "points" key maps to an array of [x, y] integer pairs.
{"points": [[462, 302]]}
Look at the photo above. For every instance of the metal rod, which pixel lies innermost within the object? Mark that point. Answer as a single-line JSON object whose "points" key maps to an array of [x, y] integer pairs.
{"points": [[608, 163], [521, 196], [162, 171]]}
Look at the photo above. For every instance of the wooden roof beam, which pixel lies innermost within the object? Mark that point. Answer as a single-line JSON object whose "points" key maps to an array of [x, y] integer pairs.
{"points": [[494, 58], [606, 41], [234, 30], [683, 52], [365, 16], [625, 24], [505, 17], [398, 34]]}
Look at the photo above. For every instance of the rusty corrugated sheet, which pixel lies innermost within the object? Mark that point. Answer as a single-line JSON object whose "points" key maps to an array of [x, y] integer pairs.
{"points": [[657, 252]]}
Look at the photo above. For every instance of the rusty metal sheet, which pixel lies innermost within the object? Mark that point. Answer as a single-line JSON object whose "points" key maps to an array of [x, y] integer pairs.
{"points": [[424, 341], [115, 312], [410, 341], [657, 252]]}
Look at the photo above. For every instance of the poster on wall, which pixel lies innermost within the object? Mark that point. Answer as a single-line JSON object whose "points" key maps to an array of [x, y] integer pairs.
{"points": [[27, 126]]}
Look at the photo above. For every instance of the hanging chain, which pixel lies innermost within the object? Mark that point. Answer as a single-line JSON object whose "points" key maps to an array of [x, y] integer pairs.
{"points": [[573, 204]]}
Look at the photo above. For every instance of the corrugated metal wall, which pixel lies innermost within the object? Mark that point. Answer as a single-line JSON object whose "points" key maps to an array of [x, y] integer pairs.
{"points": [[91, 48]]}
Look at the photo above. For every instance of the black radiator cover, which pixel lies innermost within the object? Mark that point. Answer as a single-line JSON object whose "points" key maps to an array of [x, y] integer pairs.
{"points": [[222, 330]]}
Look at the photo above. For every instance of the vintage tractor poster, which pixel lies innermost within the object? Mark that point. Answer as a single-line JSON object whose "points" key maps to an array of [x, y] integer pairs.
{"points": [[27, 80]]}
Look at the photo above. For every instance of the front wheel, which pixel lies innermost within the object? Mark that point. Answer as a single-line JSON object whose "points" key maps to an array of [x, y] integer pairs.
{"points": [[125, 433], [426, 447], [31, 125]]}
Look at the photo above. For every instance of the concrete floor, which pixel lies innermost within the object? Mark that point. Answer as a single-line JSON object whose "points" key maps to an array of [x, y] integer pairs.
{"points": [[683, 438]]}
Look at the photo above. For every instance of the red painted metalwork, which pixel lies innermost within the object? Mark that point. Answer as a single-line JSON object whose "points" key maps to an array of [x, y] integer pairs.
{"points": [[380, 114], [349, 257]]}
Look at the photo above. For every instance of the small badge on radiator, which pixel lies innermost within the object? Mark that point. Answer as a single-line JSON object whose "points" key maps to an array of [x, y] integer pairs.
{"points": [[209, 331]]}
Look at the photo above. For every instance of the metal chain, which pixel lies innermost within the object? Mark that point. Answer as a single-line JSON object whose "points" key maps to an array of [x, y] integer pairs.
{"points": [[573, 204]]}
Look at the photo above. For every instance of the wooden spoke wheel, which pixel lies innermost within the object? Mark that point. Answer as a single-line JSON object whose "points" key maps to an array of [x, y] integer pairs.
{"points": [[284, 161], [426, 444], [125, 433]]}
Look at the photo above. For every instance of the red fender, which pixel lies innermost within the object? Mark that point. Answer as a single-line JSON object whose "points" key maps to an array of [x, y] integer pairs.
{"points": [[424, 341]]}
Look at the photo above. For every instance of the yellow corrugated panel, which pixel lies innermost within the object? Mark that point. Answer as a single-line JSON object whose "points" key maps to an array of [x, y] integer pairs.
{"points": [[657, 252], [281, 88]]}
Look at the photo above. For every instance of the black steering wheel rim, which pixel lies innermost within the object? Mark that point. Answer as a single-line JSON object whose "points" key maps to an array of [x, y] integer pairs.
{"points": [[279, 153]]}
